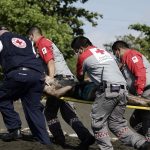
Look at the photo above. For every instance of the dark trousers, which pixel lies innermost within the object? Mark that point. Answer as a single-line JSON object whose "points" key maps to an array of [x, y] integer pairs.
{"points": [[28, 86], [140, 119], [53, 104]]}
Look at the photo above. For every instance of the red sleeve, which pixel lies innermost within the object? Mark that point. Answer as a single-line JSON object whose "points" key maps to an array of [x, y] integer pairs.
{"points": [[79, 67], [135, 64], [46, 50]]}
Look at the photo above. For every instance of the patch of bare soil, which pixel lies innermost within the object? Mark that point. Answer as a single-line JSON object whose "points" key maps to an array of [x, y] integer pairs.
{"points": [[30, 144]]}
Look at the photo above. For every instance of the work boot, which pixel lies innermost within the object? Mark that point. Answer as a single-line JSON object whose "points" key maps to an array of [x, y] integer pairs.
{"points": [[12, 135], [145, 146], [84, 145]]}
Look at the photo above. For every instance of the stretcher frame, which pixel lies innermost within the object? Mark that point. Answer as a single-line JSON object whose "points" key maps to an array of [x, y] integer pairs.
{"points": [[90, 102]]}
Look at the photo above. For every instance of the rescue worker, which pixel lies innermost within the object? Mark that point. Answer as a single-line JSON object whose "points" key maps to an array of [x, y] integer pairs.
{"points": [[23, 78], [58, 69], [110, 102], [136, 70]]}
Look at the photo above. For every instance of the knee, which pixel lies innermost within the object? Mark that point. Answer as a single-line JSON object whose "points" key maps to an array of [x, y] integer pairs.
{"points": [[96, 124], [48, 114], [132, 121], [75, 121]]}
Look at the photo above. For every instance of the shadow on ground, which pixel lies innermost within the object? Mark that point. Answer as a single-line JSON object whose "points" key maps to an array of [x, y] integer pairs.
{"points": [[29, 143]]}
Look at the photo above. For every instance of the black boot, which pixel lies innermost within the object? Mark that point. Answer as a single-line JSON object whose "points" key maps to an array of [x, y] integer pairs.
{"points": [[84, 145], [12, 135], [58, 135], [84, 135], [145, 146]]}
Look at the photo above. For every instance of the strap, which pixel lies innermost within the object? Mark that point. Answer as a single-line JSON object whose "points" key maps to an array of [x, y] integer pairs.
{"points": [[147, 88]]}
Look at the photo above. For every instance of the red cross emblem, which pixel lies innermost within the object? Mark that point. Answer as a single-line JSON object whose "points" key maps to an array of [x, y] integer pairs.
{"points": [[100, 51], [18, 42]]}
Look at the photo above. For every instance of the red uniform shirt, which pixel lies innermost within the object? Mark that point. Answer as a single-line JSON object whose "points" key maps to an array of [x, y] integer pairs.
{"points": [[45, 49], [133, 59], [81, 59]]}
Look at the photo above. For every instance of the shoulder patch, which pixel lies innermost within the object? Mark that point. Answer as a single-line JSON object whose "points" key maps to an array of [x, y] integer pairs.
{"points": [[18, 42], [135, 59], [101, 55], [44, 50]]}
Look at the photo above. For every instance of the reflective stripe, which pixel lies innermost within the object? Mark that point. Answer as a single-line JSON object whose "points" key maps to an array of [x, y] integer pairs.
{"points": [[73, 120], [1, 46], [101, 134], [122, 132], [138, 126], [52, 121]]}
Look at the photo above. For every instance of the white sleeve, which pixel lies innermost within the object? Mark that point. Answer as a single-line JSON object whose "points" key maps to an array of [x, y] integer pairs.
{"points": [[1, 46]]}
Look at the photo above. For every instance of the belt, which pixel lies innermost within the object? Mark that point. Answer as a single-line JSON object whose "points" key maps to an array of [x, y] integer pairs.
{"points": [[118, 85], [113, 87], [61, 76], [19, 68], [23, 68]]}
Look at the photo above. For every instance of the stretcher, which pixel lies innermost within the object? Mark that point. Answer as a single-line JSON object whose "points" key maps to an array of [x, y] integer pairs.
{"points": [[90, 102]]}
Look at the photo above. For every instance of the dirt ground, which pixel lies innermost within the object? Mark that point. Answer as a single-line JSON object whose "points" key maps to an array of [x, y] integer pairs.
{"points": [[32, 145], [27, 143], [71, 141]]}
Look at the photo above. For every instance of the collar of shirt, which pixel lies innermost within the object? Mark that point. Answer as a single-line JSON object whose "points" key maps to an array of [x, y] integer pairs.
{"points": [[125, 56], [38, 41], [90, 47], [86, 50]]}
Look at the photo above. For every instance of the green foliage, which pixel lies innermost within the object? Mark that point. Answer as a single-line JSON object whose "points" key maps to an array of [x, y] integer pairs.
{"points": [[19, 15], [67, 13], [72, 64], [140, 43], [59, 19], [143, 40], [142, 28]]}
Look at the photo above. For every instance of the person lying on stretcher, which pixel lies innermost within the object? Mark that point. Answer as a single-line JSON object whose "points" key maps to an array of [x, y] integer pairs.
{"points": [[54, 88], [84, 91]]}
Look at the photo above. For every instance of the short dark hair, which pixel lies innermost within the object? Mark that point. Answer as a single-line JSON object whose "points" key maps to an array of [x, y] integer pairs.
{"points": [[119, 44], [34, 29], [79, 42]]}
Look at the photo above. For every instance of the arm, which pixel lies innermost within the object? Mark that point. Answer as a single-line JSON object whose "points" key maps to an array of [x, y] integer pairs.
{"points": [[51, 68], [46, 52], [79, 69], [135, 64]]}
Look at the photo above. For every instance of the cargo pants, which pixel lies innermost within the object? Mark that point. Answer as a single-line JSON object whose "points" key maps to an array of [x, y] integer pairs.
{"points": [[107, 112]]}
